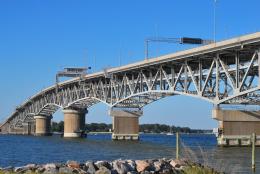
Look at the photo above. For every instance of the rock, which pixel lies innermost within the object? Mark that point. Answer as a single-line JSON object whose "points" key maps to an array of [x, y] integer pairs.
{"points": [[141, 165], [121, 167], [131, 165], [29, 172], [166, 167], [103, 164], [177, 163], [73, 164], [51, 171], [157, 166], [113, 171], [81, 171], [182, 167], [50, 166], [30, 166], [166, 171], [145, 172], [59, 165], [23, 169], [40, 170], [65, 170], [84, 168], [103, 170], [19, 169], [9, 168], [91, 168], [132, 172]]}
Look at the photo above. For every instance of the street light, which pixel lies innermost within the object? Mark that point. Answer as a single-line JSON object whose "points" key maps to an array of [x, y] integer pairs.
{"points": [[214, 32]]}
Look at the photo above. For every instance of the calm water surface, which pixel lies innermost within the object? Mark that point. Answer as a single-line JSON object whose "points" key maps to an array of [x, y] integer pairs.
{"points": [[17, 150]]}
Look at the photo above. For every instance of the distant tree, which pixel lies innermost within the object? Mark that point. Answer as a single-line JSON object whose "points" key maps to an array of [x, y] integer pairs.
{"points": [[146, 128], [57, 127]]}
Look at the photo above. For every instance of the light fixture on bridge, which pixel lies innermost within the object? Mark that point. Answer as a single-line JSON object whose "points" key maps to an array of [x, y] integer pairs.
{"points": [[183, 40]]}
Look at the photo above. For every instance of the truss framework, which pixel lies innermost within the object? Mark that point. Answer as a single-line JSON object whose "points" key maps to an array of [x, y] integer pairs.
{"points": [[229, 76]]}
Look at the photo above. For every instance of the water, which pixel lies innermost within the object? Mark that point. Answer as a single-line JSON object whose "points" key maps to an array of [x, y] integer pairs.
{"points": [[17, 150]]}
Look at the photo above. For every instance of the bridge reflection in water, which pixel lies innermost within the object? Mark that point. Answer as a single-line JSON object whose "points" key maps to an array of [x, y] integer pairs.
{"points": [[225, 73]]}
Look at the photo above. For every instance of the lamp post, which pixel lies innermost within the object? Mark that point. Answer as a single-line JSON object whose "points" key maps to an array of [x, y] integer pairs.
{"points": [[214, 32]]}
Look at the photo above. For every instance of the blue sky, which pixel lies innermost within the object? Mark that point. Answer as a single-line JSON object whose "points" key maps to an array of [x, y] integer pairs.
{"points": [[38, 38]]}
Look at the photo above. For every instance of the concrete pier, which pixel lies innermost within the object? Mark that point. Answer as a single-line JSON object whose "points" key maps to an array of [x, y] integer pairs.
{"points": [[29, 128], [42, 125], [74, 122], [125, 124], [236, 127]]}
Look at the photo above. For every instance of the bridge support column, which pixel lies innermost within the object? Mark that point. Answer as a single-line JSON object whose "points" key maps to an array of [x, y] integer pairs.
{"points": [[74, 123], [42, 125], [125, 124], [27, 128], [236, 127]]}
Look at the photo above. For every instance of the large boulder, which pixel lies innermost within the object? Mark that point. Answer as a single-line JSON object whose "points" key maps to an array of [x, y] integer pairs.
{"points": [[29, 172], [40, 169], [157, 165], [132, 172], [50, 166], [120, 166], [91, 168], [100, 164], [23, 169], [103, 170], [19, 169], [65, 170], [51, 171], [142, 165], [131, 165], [9, 168], [73, 164], [177, 163]]}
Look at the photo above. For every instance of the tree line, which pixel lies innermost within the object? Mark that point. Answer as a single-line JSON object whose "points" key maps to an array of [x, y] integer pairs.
{"points": [[146, 128]]}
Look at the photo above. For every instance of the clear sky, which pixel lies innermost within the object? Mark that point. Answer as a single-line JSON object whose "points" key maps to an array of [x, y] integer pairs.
{"points": [[40, 37]]}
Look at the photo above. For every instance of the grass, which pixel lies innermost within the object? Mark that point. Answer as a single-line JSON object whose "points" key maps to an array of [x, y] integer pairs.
{"points": [[199, 170], [207, 161]]}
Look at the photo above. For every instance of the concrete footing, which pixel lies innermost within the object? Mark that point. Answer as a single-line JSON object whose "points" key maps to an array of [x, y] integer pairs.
{"points": [[74, 123], [228, 141], [236, 127], [43, 125], [125, 124]]}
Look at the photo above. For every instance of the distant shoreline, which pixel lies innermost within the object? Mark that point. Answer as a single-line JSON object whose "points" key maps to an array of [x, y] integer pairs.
{"points": [[156, 128], [184, 133]]}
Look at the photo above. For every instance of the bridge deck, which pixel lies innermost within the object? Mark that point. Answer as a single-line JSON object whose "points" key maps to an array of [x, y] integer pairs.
{"points": [[214, 47], [251, 40]]}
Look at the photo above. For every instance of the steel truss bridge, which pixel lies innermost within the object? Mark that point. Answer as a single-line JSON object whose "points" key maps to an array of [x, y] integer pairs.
{"points": [[225, 72]]}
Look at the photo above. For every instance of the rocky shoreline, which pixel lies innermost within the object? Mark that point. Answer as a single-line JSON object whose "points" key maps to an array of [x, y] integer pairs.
{"points": [[153, 166]]}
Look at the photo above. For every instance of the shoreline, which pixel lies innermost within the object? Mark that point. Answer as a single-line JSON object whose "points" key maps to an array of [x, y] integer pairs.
{"points": [[153, 133], [160, 166]]}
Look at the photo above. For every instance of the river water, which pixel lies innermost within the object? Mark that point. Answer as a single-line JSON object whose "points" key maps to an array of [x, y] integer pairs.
{"points": [[17, 150]]}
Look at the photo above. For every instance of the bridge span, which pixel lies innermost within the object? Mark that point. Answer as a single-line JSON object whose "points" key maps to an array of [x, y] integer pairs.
{"points": [[223, 73]]}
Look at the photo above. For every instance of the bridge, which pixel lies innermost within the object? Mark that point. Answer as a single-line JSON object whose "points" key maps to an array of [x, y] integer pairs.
{"points": [[224, 73]]}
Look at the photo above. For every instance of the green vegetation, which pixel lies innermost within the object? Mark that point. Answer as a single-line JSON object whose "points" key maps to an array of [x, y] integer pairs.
{"points": [[163, 128], [57, 127], [146, 128], [199, 170], [11, 172]]}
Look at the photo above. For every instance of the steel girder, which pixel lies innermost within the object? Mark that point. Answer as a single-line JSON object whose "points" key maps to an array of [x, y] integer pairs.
{"points": [[225, 76]]}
